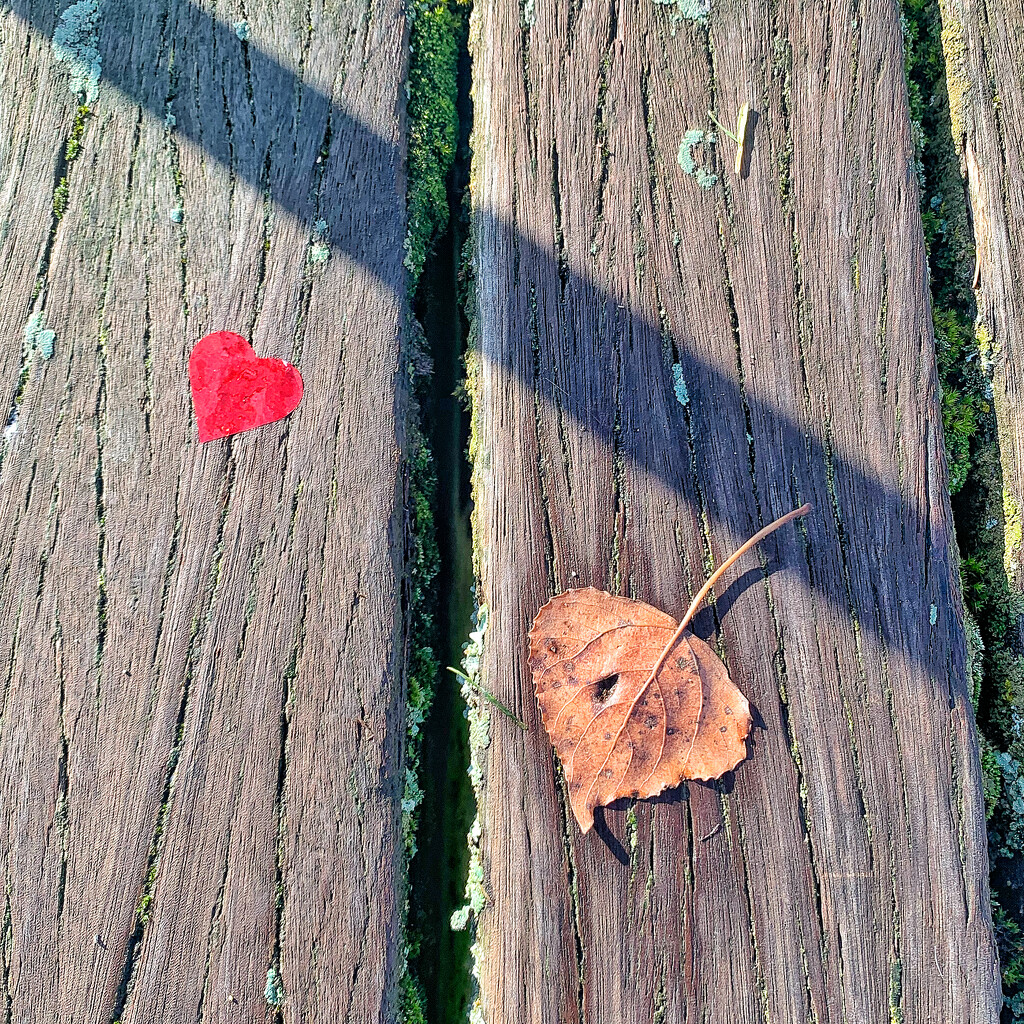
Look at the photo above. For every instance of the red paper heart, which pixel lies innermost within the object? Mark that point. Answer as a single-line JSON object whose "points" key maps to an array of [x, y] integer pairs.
{"points": [[233, 391]]}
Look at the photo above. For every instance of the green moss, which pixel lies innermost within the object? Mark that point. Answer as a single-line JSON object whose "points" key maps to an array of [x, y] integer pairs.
{"points": [[60, 198], [1011, 955], [411, 1001], [143, 911], [996, 672], [437, 34], [978, 511], [421, 674], [479, 740], [988, 526], [991, 781], [1012, 526], [74, 146], [947, 236], [895, 992], [782, 72], [477, 708], [975, 653], [423, 664]]}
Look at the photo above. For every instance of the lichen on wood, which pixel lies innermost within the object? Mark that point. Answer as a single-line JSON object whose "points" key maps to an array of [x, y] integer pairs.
{"points": [[76, 46]]}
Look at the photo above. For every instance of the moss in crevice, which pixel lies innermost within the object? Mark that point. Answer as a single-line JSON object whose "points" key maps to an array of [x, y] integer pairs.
{"points": [[437, 36], [948, 239], [421, 665], [74, 146], [477, 709], [987, 528], [421, 572], [60, 199]]}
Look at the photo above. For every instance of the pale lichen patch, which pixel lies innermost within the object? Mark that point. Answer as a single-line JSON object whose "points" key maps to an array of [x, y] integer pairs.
{"points": [[274, 992], [686, 10], [479, 739], [75, 45], [691, 140], [679, 385], [319, 250], [36, 337]]}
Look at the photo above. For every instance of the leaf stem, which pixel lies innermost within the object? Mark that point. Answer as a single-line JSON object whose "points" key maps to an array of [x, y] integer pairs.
{"points": [[717, 575]]}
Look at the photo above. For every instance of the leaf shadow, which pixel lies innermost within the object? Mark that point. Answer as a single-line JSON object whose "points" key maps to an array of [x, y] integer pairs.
{"points": [[680, 794], [605, 834]]}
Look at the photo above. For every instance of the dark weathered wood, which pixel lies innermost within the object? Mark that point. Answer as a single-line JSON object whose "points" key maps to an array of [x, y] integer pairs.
{"points": [[841, 875], [201, 701], [984, 44]]}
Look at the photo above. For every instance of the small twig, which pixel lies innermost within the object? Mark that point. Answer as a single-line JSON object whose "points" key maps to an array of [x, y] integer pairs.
{"points": [[722, 128], [365, 725], [713, 832], [487, 695], [554, 385]]}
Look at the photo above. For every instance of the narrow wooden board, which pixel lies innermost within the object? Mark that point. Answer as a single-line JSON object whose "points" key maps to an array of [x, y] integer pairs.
{"points": [[984, 46], [841, 874], [201, 717]]}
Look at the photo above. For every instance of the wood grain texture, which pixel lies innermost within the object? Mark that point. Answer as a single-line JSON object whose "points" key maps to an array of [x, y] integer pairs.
{"points": [[841, 874], [984, 44], [201, 708]]}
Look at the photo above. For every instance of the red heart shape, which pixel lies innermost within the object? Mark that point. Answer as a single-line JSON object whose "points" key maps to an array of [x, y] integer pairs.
{"points": [[233, 391]]}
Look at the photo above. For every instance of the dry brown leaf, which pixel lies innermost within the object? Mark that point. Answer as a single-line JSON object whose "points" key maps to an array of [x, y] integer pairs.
{"points": [[632, 701]]}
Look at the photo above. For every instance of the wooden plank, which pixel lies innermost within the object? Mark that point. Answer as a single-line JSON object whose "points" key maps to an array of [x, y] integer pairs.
{"points": [[984, 51], [841, 874], [201, 722]]}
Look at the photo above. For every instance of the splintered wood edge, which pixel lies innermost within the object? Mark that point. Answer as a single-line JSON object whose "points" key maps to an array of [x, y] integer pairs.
{"points": [[742, 137]]}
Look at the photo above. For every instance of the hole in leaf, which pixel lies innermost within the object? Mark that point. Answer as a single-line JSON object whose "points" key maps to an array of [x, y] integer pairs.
{"points": [[605, 687]]}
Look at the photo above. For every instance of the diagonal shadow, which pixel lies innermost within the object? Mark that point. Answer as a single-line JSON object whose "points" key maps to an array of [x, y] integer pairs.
{"points": [[890, 579], [270, 108], [241, 106]]}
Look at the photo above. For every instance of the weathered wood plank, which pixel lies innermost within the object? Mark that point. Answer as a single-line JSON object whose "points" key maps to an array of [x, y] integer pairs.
{"points": [[201, 721], [984, 54], [842, 873]]}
